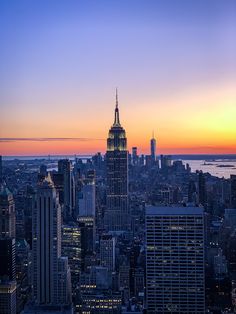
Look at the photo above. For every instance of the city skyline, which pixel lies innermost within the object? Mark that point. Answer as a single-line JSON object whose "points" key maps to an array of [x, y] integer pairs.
{"points": [[174, 66]]}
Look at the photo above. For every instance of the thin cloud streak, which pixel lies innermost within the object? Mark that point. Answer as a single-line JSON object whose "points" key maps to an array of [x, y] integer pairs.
{"points": [[47, 139]]}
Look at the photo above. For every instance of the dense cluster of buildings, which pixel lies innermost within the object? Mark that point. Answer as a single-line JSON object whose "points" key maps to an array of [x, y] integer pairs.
{"points": [[120, 233]]}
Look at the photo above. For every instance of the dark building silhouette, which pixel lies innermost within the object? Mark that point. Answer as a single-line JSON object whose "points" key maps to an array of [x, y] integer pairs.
{"points": [[233, 191], [165, 161], [0, 169], [51, 275], [134, 155], [7, 213], [7, 258], [117, 213], [153, 148], [7, 252], [64, 168], [192, 191], [87, 234], [201, 188]]}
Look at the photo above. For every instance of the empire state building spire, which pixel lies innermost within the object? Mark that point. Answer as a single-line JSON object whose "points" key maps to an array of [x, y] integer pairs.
{"points": [[117, 118]]}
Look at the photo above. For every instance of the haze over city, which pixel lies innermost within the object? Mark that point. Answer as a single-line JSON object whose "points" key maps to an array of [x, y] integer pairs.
{"points": [[173, 63]]}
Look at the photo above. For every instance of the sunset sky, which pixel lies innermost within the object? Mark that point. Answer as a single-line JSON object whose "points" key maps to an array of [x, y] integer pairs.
{"points": [[174, 63]]}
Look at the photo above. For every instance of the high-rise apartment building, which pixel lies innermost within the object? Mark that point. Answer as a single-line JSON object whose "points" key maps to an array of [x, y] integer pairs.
{"points": [[51, 280], [117, 212], [175, 260]]}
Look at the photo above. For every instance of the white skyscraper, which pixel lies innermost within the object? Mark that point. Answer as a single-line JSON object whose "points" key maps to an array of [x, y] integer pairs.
{"points": [[51, 279], [175, 260]]}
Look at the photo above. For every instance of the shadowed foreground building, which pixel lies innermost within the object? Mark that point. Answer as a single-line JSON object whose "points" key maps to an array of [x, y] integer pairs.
{"points": [[175, 260], [233, 191], [51, 273], [7, 252], [117, 213]]}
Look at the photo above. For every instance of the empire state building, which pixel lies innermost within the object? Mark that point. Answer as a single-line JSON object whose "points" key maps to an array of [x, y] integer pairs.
{"points": [[117, 212]]}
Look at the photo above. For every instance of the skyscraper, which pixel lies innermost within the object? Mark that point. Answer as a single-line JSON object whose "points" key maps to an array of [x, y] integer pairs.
{"points": [[175, 260], [107, 252], [117, 212], [51, 282], [233, 191], [7, 213], [153, 148], [7, 259], [71, 247], [0, 169], [87, 198], [134, 155], [87, 230], [201, 188], [7, 252], [64, 167]]}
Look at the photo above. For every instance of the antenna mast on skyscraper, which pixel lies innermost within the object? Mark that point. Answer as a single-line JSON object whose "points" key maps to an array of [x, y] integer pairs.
{"points": [[116, 97]]}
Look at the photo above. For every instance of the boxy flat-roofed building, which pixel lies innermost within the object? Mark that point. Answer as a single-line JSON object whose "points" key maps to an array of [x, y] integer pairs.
{"points": [[175, 260]]}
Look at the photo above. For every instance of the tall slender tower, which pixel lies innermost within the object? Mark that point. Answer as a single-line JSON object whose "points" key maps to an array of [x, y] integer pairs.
{"points": [[117, 213], [153, 147], [64, 168]]}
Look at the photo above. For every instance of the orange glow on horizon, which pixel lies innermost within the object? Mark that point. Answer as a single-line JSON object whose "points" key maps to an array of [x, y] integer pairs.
{"points": [[32, 148], [197, 121]]}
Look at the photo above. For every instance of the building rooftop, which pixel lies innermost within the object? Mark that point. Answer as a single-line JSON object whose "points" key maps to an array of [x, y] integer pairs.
{"points": [[164, 210]]}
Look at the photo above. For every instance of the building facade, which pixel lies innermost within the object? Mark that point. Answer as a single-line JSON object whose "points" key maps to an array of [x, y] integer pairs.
{"points": [[233, 191], [175, 260], [117, 211], [7, 213], [7, 252], [64, 168], [107, 252], [71, 247], [86, 198], [50, 270]]}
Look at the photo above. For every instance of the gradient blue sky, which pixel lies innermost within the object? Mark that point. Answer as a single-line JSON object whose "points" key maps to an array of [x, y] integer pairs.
{"points": [[60, 62]]}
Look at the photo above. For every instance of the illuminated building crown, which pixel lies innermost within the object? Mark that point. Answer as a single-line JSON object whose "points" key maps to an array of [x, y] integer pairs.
{"points": [[116, 137]]}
